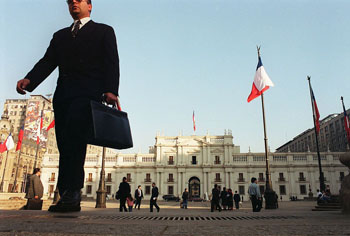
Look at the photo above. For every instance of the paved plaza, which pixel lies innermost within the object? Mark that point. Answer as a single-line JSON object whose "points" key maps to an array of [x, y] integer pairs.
{"points": [[292, 218]]}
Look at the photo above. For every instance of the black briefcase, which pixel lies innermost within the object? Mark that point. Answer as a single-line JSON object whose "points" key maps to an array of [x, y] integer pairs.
{"points": [[111, 127], [34, 204]]}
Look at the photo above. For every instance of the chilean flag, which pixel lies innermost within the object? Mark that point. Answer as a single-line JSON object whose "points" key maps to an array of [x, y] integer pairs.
{"points": [[7, 145], [346, 124], [194, 122], [20, 139], [261, 82], [315, 112]]}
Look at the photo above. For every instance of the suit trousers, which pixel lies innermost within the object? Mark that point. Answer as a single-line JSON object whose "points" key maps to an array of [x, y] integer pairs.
{"points": [[138, 202], [73, 126], [122, 204], [153, 203], [255, 203]]}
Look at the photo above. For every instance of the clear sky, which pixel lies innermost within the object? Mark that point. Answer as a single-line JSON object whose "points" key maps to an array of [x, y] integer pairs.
{"points": [[177, 56]]}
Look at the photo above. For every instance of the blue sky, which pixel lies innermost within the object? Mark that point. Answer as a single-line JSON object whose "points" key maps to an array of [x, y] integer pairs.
{"points": [[177, 56]]}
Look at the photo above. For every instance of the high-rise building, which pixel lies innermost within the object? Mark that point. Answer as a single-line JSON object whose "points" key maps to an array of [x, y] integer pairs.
{"points": [[332, 137]]}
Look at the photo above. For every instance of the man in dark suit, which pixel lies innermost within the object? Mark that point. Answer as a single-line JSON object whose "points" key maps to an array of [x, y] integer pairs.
{"points": [[124, 192], [87, 57], [215, 198], [138, 197], [237, 199], [154, 196]]}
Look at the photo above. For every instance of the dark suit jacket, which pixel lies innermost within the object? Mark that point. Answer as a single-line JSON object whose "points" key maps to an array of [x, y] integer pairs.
{"points": [[154, 192], [88, 64], [215, 194], [137, 194], [35, 187], [124, 190]]}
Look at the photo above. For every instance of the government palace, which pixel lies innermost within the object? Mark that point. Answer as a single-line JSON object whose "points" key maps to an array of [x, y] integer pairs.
{"points": [[173, 163]]}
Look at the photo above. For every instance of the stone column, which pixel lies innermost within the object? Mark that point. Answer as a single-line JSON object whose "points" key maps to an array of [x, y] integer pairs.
{"points": [[158, 179], [161, 185], [208, 156], [184, 181], [227, 182], [179, 183], [205, 185]]}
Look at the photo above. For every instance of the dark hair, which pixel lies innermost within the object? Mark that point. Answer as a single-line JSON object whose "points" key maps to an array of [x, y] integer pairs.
{"points": [[253, 180], [36, 170], [215, 185], [138, 186], [124, 179], [154, 183]]}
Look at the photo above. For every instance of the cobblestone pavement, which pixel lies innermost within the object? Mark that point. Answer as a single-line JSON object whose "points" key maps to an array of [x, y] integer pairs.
{"points": [[292, 218]]}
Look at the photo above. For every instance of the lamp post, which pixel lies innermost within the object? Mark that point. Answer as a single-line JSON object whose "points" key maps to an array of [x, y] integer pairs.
{"points": [[101, 192]]}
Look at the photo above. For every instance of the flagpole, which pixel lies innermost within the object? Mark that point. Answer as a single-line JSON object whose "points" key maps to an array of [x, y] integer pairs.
{"points": [[3, 174], [38, 143], [269, 194], [15, 182], [322, 185]]}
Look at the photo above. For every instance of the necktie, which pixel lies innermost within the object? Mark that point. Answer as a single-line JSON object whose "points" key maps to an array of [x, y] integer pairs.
{"points": [[76, 28]]}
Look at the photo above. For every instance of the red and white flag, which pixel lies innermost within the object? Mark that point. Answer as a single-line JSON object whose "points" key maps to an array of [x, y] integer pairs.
{"points": [[7, 145], [194, 122], [346, 122], [261, 82]]}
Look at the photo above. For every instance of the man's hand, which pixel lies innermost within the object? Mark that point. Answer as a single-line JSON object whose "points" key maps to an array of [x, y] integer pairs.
{"points": [[22, 85], [36, 197], [111, 99]]}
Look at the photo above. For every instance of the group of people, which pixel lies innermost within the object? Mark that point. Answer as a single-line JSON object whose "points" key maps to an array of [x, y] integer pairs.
{"points": [[224, 199], [125, 197], [324, 196]]}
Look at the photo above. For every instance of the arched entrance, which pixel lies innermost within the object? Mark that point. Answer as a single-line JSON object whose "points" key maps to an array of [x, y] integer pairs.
{"points": [[194, 187]]}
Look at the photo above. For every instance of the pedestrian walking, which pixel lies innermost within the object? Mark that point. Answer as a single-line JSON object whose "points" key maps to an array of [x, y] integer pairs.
{"points": [[215, 198], [229, 199], [35, 191], [236, 198], [223, 196], [88, 64], [185, 198], [130, 202], [123, 193], [154, 197], [255, 196], [138, 197]]}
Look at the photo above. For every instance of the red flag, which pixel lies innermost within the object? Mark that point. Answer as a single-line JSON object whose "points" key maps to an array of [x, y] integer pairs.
{"points": [[194, 122], [51, 125], [346, 122], [20, 138], [315, 112], [3, 147]]}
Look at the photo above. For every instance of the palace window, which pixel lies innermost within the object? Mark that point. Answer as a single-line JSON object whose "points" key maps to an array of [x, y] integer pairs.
{"points": [[240, 177], [88, 189], [171, 160], [241, 189], [281, 177], [282, 190], [171, 178], [301, 176], [261, 177], [148, 177], [170, 189], [194, 160], [109, 177], [109, 189], [303, 189], [128, 177], [217, 177], [148, 190], [217, 160]]}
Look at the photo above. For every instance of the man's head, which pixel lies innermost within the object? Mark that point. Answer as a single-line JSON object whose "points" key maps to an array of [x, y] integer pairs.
{"points": [[139, 187], [224, 189], [37, 171], [153, 184], [79, 8], [253, 180], [124, 179], [235, 191], [215, 186]]}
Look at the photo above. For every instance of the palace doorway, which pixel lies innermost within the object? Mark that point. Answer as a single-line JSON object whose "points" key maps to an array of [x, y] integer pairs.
{"points": [[194, 187]]}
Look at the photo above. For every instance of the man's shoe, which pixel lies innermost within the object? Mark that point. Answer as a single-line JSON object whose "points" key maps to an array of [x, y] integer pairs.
{"points": [[69, 202], [158, 209]]}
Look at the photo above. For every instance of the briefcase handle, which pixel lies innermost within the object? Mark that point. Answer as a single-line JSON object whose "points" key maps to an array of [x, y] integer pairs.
{"points": [[115, 105]]}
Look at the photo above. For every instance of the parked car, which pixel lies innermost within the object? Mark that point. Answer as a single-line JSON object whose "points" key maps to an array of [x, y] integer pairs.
{"points": [[196, 199], [170, 197]]}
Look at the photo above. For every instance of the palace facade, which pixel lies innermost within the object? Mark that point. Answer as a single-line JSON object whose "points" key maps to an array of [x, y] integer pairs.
{"points": [[199, 162]]}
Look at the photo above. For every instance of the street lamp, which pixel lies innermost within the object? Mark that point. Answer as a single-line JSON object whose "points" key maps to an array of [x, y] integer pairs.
{"points": [[101, 192]]}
